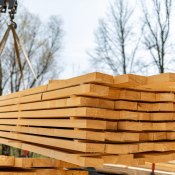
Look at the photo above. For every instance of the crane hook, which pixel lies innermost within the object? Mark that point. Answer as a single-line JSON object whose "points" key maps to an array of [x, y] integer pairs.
{"points": [[13, 24], [12, 16]]}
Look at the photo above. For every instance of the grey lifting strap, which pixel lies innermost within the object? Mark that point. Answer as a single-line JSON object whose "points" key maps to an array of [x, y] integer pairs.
{"points": [[16, 39]]}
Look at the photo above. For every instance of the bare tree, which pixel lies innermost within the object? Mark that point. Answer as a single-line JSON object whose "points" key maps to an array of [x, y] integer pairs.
{"points": [[157, 19], [116, 42], [42, 42]]}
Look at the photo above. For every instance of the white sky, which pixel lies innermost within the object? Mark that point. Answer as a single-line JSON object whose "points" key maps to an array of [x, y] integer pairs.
{"points": [[80, 20]]}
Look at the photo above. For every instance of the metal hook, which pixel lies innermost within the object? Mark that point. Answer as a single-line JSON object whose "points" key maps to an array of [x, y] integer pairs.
{"points": [[13, 24]]}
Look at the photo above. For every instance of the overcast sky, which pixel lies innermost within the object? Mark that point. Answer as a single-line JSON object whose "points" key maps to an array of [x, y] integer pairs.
{"points": [[80, 20]]}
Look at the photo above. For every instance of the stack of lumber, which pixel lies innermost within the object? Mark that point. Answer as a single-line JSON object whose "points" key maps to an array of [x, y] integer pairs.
{"points": [[94, 119], [36, 166]]}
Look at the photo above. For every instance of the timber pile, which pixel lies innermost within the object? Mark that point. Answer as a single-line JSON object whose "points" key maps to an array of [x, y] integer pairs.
{"points": [[94, 119], [36, 166]]}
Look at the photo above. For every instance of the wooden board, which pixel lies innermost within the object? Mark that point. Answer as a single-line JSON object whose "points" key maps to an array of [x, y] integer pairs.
{"points": [[60, 155], [125, 105], [23, 93], [131, 126], [33, 162], [67, 123], [121, 136], [95, 77], [86, 90], [150, 136], [161, 82], [163, 107], [6, 161], [65, 113], [116, 159], [157, 157], [129, 80], [55, 142], [69, 133]]}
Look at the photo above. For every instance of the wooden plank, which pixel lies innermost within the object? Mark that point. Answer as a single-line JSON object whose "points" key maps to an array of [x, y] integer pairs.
{"points": [[60, 155], [89, 102], [146, 147], [167, 97], [86, 90], [43, 105], [113, 159], [146, 136], [162, 82], [128, 115], [143, 116], [170, 135], [133, 148], [95, 77], [113, 93], [165, 146], [156, 157], [121, 148], [61, 143], [30, 98], [54, 104], [141, 160], [161, 78], [7, 161], [125, 105], [32, 162], [26, 99], [148, 96], [125, 158], [160, 135], [163, 107], [164, 126], [9, 108], [62, 164], [162, 116], [119, 94], [117, 149], [121, 136], [91, 124], [111, 125], [144, 107], [87, 135], [130, 126], [9, 102], [116, 159], [129, 80], [31, 91], [106, 104], [65, 113], [135, 162], [147, 126], [150, 136], [130, 95]]}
